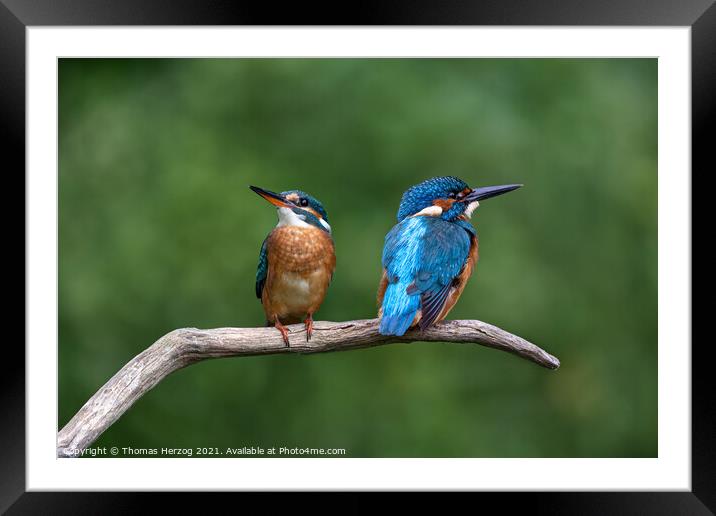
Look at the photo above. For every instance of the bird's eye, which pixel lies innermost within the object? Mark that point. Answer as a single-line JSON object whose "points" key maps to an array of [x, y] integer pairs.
{"points": [[460, 195], [451, 195], [303, 202]]}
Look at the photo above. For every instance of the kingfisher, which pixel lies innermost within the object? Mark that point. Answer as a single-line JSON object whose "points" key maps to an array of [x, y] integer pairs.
{"points": [[430, 253], [296, 262]]}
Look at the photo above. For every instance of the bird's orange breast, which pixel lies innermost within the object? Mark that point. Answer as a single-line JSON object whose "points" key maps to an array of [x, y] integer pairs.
{"points": [[301, 262]]}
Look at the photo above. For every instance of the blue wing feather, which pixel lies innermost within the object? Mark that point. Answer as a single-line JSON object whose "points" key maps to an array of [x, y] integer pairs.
{"points": [[421, 256], [262, 269], [431, 304]]}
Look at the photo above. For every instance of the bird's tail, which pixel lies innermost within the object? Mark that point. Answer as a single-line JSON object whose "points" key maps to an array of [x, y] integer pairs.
{"points": [[399, 309]]}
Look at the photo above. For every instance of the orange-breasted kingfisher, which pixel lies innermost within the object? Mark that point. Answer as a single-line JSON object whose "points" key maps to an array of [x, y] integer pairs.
{"points": [[296, 262], [430, 253]]}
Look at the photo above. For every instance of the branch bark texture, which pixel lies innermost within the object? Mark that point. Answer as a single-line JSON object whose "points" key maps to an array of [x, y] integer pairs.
{"points": [[186, 346]]}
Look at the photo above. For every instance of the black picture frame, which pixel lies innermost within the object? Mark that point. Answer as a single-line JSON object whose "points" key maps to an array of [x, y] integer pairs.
{"points": [[700, 15]]}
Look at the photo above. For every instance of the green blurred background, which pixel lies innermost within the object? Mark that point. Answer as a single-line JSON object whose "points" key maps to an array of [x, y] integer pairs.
{"points": [[158, 230]]}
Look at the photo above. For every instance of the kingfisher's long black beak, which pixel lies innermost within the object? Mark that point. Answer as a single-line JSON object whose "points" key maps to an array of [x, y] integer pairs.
{"points": [[274, 198], [478, 194]]}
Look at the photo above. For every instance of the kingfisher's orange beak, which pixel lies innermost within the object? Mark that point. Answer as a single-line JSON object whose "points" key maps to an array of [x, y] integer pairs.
{"points": [[277, 200]]}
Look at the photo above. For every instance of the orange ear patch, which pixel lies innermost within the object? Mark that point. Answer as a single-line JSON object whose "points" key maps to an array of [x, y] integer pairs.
{"points": [[444, 204]]}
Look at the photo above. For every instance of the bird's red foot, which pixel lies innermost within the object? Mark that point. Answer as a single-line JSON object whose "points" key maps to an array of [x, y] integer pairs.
{"points": [[284, 331], [309, 326]]}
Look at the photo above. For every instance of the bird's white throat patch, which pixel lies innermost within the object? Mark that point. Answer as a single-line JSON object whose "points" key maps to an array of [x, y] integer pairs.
{"points": [[470, 208], [287, 217]]}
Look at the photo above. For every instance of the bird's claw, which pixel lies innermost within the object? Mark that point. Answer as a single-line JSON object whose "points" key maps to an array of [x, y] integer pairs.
{"points": [[284, 332], [309, 327]]}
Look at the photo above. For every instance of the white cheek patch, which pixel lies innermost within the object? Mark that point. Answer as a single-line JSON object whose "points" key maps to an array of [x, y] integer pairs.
{"points": [[430, 211], [470, 208], [286, 217], [325, 224]]}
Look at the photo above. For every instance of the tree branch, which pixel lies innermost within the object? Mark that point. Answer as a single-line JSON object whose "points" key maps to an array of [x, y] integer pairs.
{"points": [[187, 346]]}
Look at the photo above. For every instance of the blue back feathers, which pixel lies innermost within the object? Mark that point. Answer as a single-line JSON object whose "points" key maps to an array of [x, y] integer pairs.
{"points": [[422, 256]]}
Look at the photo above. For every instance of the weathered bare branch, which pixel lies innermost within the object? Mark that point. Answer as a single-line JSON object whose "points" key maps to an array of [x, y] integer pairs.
{"points": [[186, 346]]}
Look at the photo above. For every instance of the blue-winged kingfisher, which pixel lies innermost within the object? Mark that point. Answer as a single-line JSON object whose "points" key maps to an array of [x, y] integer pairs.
{"points": [[430, 253]]}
